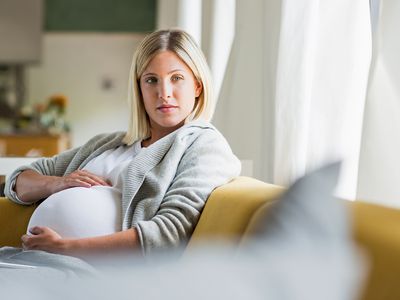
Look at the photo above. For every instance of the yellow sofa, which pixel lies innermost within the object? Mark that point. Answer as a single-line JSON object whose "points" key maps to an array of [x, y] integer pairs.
{"points": [[228, 215]]}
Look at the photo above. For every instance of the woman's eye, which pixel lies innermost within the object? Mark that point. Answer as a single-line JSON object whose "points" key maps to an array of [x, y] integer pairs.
{"points": [[177, 77], [151, 80]]}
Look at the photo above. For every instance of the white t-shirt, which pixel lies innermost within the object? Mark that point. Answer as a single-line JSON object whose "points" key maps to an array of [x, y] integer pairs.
{"points": [[85, 212]]}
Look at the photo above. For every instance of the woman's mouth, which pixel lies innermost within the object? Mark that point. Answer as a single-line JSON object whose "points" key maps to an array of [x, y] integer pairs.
{"points": [[166, 108]]}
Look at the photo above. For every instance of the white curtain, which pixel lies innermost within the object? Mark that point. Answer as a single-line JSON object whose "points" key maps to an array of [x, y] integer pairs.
{"points": [[322, 76], [294, 93], [218, 31], [379, 173]]}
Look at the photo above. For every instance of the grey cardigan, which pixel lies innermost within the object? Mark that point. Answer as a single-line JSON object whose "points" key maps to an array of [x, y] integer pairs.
{"points": [[164, 188]]}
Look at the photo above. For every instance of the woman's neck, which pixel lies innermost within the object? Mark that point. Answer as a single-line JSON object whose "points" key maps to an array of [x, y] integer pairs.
{"points": [[156, 134]]}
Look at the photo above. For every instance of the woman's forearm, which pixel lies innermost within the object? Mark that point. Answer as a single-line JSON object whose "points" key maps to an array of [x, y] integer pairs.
{"points": [[31, 186], [124, 242], [46, 239]]}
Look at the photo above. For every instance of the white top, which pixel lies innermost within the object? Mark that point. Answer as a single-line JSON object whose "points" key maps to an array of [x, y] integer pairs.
{"points": [[70, 212]]}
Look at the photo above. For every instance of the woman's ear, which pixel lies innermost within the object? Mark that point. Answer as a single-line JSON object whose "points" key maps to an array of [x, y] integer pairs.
{"points": [[199, 88]]}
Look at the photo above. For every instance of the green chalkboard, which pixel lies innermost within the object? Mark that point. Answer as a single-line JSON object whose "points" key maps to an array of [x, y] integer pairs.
{"points": [[100, 15]]}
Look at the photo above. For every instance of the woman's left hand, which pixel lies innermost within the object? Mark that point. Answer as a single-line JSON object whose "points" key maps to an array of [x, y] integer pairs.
{"points": [[43, 238]]}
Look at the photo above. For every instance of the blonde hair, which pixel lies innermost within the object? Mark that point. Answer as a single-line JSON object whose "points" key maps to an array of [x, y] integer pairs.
{"points": [[185, 47]]}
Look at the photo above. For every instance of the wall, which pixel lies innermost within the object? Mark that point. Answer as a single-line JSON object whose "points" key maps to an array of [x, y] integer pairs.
{"points": [[77, 64]]}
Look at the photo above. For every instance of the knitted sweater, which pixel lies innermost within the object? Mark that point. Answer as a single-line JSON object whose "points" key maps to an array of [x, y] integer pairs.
{"points": [[164, 188]]}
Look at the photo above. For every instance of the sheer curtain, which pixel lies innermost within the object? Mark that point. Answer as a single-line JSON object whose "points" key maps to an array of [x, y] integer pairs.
{"points": [[322, 76], [294, 93], [379, 174]]}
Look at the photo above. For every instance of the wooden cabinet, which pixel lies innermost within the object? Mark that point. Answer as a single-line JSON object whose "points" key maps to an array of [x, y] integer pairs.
{"points": [[33, 145]]}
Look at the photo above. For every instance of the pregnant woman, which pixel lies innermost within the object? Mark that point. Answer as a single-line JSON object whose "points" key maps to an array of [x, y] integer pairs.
{"points": [[143, 189]]}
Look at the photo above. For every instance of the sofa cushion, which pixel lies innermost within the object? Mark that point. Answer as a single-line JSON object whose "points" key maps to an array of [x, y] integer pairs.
{"points": [[307, 212]]}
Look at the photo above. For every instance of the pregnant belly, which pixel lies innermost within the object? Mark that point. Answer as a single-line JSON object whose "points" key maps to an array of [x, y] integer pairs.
{"points": [[80, 212]]}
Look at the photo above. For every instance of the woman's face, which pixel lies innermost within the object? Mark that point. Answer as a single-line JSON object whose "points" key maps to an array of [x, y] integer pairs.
{"points": [[169, 89]]}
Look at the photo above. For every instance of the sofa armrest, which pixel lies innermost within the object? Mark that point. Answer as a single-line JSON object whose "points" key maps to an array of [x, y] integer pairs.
{"points": [[14, 220]]}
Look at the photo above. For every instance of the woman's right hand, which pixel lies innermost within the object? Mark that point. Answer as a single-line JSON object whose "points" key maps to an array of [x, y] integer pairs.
{"points": [[78, 178], [31, 186]]}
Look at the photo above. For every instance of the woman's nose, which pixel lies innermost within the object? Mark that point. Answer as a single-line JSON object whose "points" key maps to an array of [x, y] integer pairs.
{"points": [[165, 90]]}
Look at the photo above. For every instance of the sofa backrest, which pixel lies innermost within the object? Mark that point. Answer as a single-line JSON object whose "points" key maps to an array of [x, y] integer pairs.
{"points": [[230, 208]]}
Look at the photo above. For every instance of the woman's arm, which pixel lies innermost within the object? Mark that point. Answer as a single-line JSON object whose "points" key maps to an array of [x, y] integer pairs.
{"points": [[58, 165], [44, 238], [31, 186]]}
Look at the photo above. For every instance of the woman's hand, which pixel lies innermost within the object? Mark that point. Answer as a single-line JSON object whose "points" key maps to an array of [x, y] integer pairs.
{"points": [[31, 186], [44, 238], [78, 178]]}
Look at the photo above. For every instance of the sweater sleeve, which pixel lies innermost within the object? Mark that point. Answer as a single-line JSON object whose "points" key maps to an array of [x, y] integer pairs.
{"points": [[43, 166], [205, 165]]}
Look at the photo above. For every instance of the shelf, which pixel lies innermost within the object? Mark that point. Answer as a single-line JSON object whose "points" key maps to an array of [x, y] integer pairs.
{"points": [[36, 145]]}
